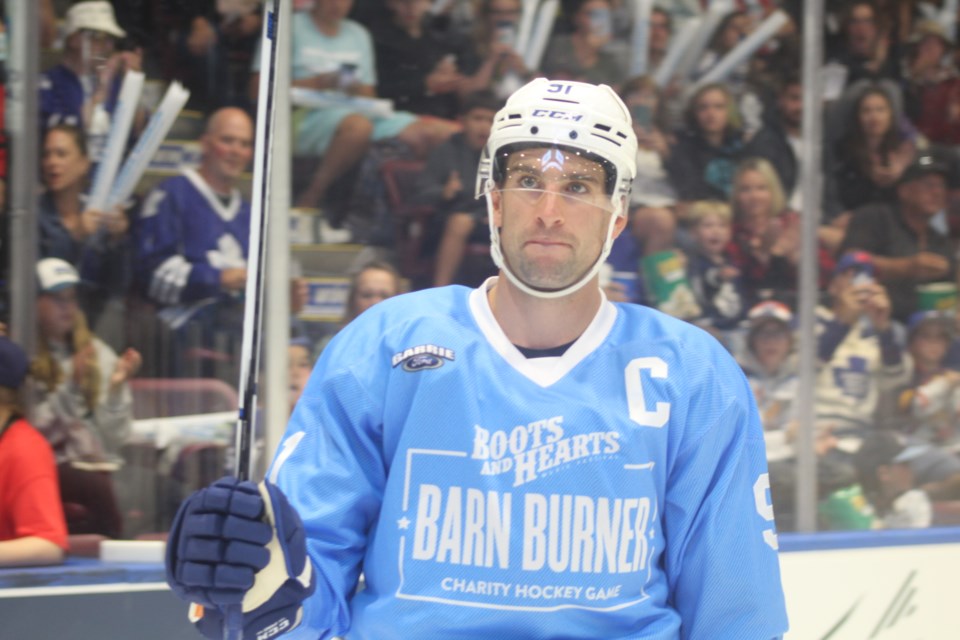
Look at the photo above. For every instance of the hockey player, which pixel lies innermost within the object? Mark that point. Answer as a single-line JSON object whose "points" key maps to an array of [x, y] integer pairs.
{"points": [[520, 460]]}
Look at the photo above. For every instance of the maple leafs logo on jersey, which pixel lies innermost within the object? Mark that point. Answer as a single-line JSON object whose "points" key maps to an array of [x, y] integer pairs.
{"points": [[425, 356]]}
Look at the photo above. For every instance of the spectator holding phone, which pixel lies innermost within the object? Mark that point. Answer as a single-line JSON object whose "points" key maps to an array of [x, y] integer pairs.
{"points": [[324, 45], [906, 249], [584, 54], [417, 66], [857, 350], [493, 62], [82, 90]]}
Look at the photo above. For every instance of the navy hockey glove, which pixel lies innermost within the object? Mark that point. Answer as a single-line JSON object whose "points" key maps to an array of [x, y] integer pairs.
{"points": [[235, 549]]}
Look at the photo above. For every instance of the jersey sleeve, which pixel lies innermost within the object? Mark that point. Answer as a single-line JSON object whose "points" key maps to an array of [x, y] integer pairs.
{"points": [[164, 272], [721, 547], [331, 467], [60, 99]]}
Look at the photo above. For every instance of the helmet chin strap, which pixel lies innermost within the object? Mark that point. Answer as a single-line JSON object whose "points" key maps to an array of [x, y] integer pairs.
{"points": [[501, 262]]}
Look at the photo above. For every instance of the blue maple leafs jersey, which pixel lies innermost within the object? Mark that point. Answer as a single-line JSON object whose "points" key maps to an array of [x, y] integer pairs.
{"points": [[186, 236], [617, 491]]}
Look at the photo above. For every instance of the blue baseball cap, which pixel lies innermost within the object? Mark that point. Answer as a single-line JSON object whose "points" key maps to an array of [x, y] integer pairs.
{"points": [[13, 364], [859, 261]]}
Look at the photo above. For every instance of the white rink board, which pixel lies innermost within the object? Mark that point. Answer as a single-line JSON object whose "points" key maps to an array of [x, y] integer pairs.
{"points": [[876, 593]]}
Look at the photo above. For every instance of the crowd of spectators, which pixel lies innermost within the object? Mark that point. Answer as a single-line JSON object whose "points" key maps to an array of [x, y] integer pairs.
{"points": [[714, 222]]}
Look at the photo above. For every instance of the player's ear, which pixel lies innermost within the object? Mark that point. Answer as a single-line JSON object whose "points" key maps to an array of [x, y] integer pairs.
{"points": [[621, 222], [496, 200]]}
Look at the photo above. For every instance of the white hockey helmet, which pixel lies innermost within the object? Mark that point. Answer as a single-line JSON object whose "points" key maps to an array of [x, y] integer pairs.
{"points": [[587, 119]]}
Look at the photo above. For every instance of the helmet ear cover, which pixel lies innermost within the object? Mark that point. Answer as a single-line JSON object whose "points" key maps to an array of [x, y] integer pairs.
{"points": [[498, 168]]}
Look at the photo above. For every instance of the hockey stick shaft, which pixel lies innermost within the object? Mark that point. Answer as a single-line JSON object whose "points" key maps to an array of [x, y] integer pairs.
{"points": [[253, 302]]}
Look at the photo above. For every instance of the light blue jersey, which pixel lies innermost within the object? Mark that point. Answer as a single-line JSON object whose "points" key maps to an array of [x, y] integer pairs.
{"points": [[617, 491]]}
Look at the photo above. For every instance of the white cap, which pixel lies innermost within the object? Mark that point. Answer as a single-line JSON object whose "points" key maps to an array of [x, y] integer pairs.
{"points": [[54, 274], [95, 16]]}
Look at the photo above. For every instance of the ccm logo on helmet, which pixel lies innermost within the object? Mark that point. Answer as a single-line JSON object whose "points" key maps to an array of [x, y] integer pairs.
{"points": [[557, 115]]}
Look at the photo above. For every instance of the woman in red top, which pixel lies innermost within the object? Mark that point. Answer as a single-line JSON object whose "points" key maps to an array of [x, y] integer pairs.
{"points": [[32, 526]]}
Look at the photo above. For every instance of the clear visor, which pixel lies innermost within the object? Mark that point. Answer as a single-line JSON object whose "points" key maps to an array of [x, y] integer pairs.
{"points": [[570, 179]]}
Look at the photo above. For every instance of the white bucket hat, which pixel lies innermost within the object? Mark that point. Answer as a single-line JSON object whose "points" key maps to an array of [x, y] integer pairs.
{"points": [[95, 16]]}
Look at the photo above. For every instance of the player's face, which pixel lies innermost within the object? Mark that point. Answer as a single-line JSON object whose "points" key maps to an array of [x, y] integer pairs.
{"points": [[753, 196], [63, 164], [553, 214], [228, 146]]}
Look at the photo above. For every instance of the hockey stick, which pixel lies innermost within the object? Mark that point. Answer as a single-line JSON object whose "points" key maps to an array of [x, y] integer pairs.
{"points": [[253, 302]]}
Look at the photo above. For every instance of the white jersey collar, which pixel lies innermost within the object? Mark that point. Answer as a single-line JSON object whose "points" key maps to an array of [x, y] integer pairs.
{"points": [[229, 211], [542, 371]]}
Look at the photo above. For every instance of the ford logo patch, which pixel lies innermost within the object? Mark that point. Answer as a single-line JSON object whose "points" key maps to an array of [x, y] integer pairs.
{"points": [[421, 362]]}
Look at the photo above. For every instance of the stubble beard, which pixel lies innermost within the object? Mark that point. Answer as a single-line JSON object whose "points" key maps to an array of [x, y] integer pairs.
{"points": [[547, 273]]}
